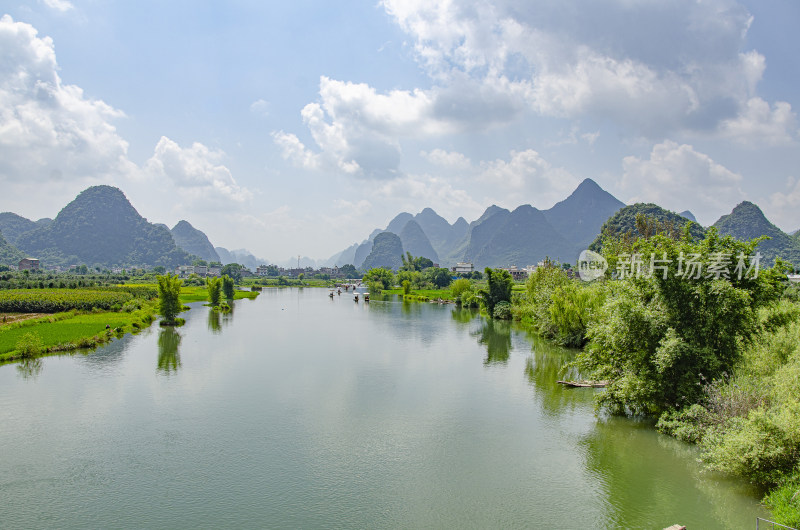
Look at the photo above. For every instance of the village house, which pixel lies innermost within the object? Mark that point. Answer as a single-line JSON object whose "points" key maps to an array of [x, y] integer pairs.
{"points": [[29, 264], [463, 268]]}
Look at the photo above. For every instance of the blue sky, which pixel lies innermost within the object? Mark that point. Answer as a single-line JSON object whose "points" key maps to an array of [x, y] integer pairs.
{"points": [[297, 127]]}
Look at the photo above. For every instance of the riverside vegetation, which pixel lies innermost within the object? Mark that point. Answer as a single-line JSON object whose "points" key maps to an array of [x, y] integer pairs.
{"points": [[89, 311], [713, 360]]}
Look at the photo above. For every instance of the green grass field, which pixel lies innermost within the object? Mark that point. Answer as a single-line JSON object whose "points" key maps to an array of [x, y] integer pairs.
{"points": [[71, 330], [199, 293]]}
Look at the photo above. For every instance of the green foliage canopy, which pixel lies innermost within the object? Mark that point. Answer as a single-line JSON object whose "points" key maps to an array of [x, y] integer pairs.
{"points": [[169, 292]]}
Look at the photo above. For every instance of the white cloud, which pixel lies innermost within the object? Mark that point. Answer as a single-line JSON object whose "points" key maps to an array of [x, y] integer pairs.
{"points": [[260, 107], [679, 178], [49, 130], [528, 178], [197, 173], [758, 124], [784, 205], [652, 66], [59, 5], [447, 159], [408, 192]]}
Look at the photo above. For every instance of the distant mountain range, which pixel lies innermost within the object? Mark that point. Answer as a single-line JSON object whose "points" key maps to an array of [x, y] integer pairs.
{"points": [[101, 228], [500, 237]]}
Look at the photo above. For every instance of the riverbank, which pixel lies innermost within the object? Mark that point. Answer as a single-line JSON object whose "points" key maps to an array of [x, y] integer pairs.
{"points": [[26, 335], [69, 331]]}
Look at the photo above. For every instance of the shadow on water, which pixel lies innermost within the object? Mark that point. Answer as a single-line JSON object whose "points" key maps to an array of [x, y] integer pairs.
{"points": [[30, 368], [169, 359]]}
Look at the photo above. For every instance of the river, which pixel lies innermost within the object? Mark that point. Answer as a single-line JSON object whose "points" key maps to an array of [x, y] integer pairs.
{"points": [[296, 410]]}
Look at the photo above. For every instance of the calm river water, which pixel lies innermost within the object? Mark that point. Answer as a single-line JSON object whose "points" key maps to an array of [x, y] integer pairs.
{"points": [[301, 411]]}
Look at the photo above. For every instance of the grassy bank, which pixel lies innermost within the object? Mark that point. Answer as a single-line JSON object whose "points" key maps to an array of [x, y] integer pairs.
{"points": [[68, 331], [195, 293]]}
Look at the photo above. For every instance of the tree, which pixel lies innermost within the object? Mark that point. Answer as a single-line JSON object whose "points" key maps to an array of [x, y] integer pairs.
{"points": [[169, 292], [199, 262], [380, 276], [232, 270], [214, 286], [439, 277], [159, 269], [659, 338], [301, 276], [498, 288], [227, 287], [349, 271]]}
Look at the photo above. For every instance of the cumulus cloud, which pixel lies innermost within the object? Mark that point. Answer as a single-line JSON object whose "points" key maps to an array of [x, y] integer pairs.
{"points": [[526, 177], [196, 171], [447, 159], [50, 130], [652, 66], [784, 205], [409, 191], [679, 178], [759, 124]]}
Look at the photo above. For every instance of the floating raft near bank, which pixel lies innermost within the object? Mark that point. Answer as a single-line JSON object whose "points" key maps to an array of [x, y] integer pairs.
{"points": [[584, 384]]}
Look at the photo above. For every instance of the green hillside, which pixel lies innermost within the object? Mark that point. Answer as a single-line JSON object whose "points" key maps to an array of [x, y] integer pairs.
{"points": [[747, 221], [624, 222], [101, 228], [387, 252], [194, 241], [415, 241], [9, 255]]}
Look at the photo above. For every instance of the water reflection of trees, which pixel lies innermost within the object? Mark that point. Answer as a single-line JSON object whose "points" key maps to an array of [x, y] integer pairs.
{"points": [[464, 315], [218, 319], [214, 322], [30, 368], [496, 336], [547, 364], [169, 359]]}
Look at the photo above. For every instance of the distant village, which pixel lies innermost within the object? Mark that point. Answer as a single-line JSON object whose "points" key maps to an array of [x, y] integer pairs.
{"points": [[203, 271]]}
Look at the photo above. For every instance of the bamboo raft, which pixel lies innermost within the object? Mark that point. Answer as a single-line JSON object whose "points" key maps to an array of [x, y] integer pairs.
{"points": [[584, 384]]}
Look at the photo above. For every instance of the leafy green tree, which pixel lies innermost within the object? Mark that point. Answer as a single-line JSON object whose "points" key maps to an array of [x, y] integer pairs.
{"points": [[406, 287], [410, 263], [498, 288], [272, 270], [232, 270], [659, 338], [301, 276], [349, 271], [159, 269], [214, 286], [439, 277], [227, 287], [460, 286], [199, 262], [169, 292], [380, 276]]}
